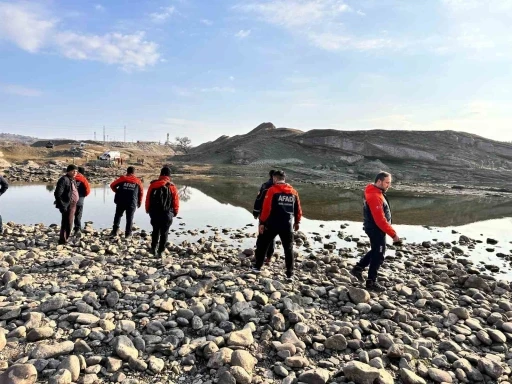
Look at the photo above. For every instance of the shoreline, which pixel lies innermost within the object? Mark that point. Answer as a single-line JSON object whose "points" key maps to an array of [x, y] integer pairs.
{"points": [[49, 173]]}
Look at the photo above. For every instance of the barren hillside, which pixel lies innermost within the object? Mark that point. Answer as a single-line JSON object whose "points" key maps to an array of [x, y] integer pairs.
{"points": [[442, 156], [11, 138]]}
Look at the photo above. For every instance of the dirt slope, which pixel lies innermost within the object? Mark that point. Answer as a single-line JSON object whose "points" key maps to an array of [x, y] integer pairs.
{"points": [[438, 156]]}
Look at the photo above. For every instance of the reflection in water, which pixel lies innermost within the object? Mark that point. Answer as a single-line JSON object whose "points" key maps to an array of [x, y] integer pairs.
{"points": [[185, 193], [328, 203], [31, 204]]}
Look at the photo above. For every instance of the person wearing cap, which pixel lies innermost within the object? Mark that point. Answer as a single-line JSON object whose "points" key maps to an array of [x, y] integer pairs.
{"points": [[129, 191], [84, 189], [3, 187], [281, 215], [66, 199], [162, 205], [258, 204]]}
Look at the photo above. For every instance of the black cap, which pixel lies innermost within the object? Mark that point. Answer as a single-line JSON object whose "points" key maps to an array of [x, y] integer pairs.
{"points": [[71, 167], [81, 170]]}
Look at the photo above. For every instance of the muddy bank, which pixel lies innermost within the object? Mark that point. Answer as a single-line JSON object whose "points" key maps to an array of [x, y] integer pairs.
{"points": [[104, 310]]}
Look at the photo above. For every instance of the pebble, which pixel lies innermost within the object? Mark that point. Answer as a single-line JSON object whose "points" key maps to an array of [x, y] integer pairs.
{"points": [[101, 310]]}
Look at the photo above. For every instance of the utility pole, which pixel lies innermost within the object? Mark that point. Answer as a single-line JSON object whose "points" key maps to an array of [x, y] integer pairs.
{"points": [[125, 133], [94, 135], [103, 134]]}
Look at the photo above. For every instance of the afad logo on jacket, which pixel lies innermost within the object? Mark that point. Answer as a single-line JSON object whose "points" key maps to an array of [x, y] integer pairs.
{"points": [[286, 199], [129, 185]]}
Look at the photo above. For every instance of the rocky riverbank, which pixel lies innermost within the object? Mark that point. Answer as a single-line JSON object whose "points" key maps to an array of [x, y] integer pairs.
{"points": [[49, 172], [102, 310]]}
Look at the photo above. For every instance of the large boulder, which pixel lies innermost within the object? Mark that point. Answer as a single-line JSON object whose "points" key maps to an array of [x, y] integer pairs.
{"points": [[19, 374]]}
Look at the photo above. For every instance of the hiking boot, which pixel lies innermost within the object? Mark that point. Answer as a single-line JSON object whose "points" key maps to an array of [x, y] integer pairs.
{"points": [[373, 285], [255, 270], [290, 277], [268, 260], [128, 236], [113, 233], [357, 272]]}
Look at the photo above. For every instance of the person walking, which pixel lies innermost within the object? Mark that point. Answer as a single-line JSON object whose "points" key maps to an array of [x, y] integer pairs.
{"points": [[377, 223], [129, 191], [280, 215], [162, 205], [258, 204], [66, 199], [84, 189], [4, 186]]}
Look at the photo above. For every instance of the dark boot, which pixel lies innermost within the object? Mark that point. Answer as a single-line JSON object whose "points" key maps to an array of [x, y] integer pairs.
{"points": [[114, 232], [373, 285], [357, 272]]}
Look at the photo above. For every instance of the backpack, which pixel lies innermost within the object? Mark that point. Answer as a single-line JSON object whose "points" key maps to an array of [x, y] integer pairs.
{"points": [[161, 199]]}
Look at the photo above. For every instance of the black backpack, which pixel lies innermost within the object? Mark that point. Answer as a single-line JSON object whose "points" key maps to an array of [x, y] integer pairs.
{"points": [[161, 199]]}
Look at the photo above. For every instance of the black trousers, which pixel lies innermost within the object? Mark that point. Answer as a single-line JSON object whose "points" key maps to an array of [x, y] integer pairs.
{"points": [[266, 239], [161, 224], [67, 223], [78, 216], [375, 257], [271, 247], [130, 212]]}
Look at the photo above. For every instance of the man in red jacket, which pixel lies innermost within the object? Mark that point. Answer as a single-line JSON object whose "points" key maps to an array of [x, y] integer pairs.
{"points": [[129, 192], [84, 189], [280, 215], [377, 223], [162, 204]]}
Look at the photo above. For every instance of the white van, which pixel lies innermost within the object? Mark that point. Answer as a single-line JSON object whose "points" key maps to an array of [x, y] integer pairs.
{"points": [[110, 155]]}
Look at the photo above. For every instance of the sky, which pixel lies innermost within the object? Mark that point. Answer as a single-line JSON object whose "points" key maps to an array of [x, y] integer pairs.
{"points": [[206, 68]]}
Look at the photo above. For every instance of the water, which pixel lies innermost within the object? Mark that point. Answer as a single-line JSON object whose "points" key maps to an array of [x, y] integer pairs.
{"points": [[227, 203]]}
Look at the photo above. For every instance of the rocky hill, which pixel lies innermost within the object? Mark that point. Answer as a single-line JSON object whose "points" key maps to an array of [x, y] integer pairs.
{"points": [[437, 156]]}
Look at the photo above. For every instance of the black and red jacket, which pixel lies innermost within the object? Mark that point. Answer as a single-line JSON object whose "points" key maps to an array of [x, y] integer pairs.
{"points": [[258, 203], [377, 211], [129, 191], [163, 180], [280, 207]]}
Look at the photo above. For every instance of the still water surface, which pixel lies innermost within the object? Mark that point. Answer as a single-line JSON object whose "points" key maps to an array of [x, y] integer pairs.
{"points": [[228, 204]]}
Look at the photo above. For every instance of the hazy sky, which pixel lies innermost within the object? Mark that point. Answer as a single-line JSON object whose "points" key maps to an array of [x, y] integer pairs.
{"points": [[204, 68]]}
